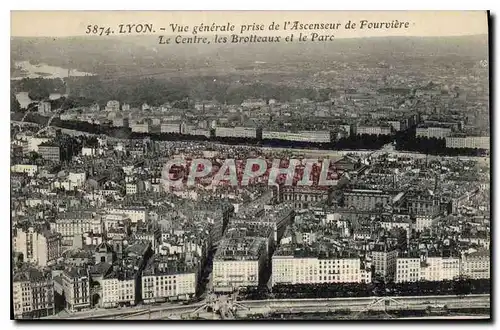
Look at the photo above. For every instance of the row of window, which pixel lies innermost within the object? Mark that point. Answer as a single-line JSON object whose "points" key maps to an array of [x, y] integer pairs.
{"points": [[160, 280], [122, 285], [304, 198], [127, 297], [339, 278]]}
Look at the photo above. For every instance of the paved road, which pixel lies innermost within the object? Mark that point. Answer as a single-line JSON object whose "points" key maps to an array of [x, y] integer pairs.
{"points": [[121, 312], [456, 317], [315, 307], [169, 311]]}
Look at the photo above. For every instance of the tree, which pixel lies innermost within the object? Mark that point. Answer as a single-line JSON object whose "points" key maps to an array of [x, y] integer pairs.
{"points": [[33, 156], [14, 103], [462, 286], [38, 94]]}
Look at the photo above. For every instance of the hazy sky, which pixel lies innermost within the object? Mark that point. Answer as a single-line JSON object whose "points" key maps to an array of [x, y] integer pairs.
{"points": [[421, 23]]}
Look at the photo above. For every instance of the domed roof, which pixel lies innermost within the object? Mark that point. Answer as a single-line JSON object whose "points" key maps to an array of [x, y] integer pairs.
{"points": [[104, 248]]}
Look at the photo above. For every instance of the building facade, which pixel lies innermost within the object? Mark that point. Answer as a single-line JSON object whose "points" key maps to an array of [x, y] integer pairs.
{"points": [[39, 247], [407, 270], [50, 152], [287, 269], [473, 142], [385, 262], [76, 289], [363, 199], [476, 265], [33, 294], [117, 291]]}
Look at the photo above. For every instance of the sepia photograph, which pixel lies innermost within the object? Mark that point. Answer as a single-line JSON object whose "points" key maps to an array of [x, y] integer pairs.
{"points": [[250, 165]]}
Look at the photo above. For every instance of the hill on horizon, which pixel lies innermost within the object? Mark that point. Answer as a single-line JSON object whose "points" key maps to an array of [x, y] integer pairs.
{"points": [[115, 55]]}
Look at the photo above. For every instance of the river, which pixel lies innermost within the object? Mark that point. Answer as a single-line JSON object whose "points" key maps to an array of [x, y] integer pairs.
{"points": [[24, 99], [24, 69]]}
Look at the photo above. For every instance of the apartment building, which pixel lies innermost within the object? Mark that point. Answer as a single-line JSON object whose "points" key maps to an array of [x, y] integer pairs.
{"points": [[73, 223], [40, 247], [135, 187], [373, 130], [32, 293], [297, 269], [384, 260], [242, 132], [170, 127], [366, 199], [74, 286], [29, 169], [424, 221], [50, 152], [165, 278], [407, 270], [118, 288], [238, 262], [438, 268], [473, 142], [140, 127], [433, 132], [476, 265], [134, 214]]}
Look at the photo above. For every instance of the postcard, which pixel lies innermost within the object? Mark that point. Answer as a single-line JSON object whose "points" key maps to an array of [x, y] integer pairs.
{"points": [[250, 165]]}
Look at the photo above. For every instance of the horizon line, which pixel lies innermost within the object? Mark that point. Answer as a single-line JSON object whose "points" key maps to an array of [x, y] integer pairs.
{"points": [[187, 35]]}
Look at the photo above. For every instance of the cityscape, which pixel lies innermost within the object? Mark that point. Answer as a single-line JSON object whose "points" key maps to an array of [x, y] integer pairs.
{"points": [[155, 189]]}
